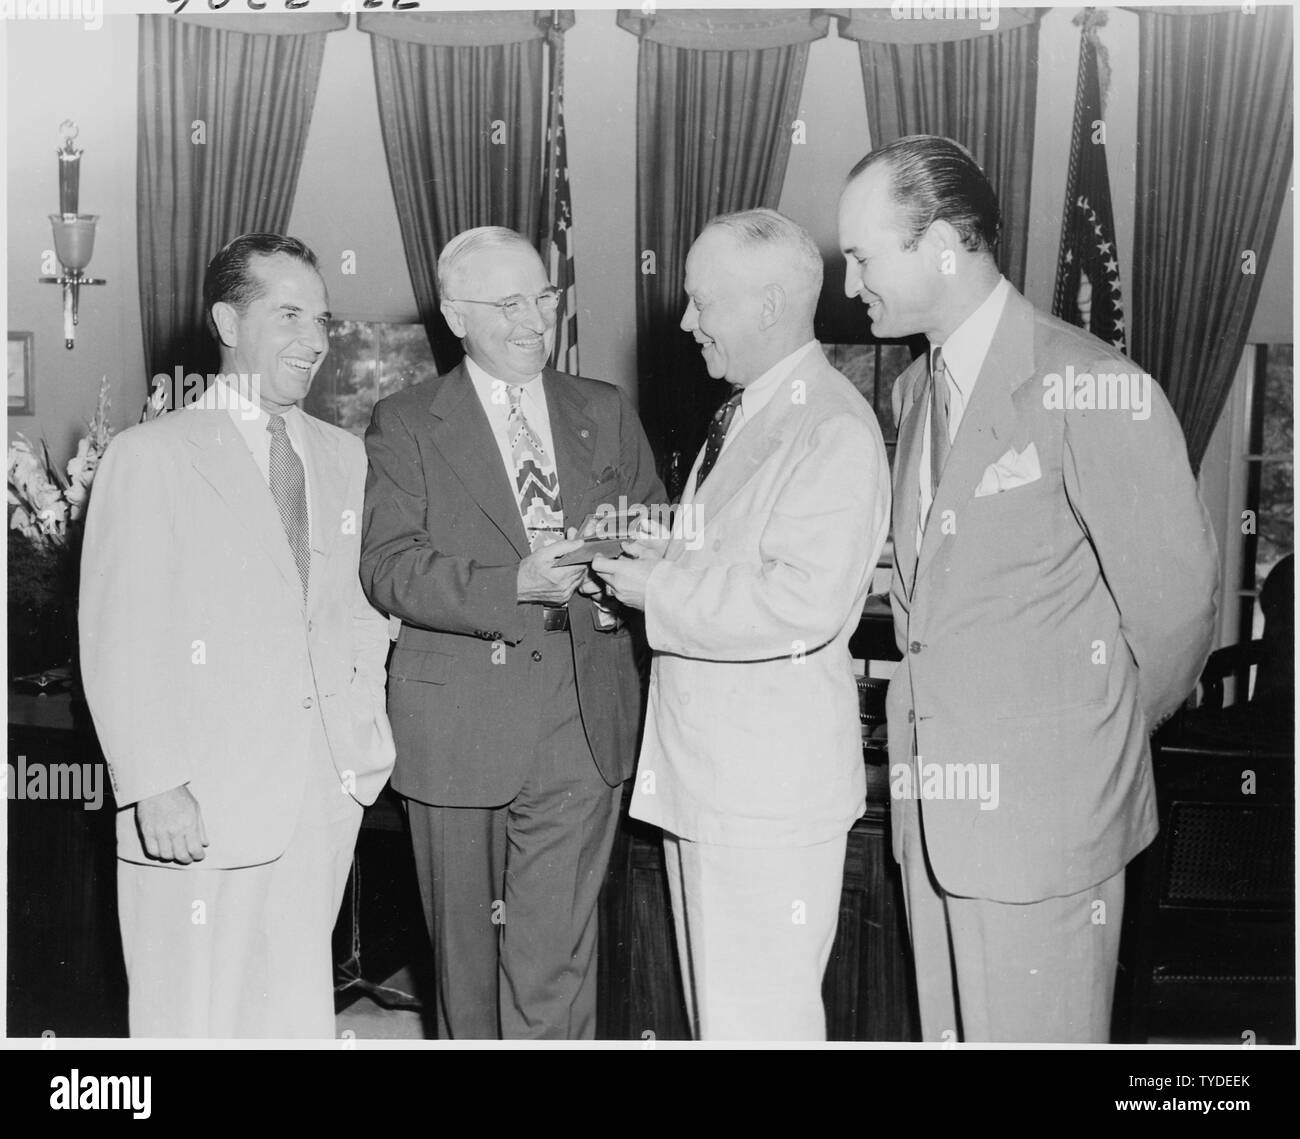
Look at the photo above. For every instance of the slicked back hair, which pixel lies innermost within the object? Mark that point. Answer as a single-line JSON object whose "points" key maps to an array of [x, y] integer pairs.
{"points": [[469, 242], [936, 179], [764, 229], [230, 278]]}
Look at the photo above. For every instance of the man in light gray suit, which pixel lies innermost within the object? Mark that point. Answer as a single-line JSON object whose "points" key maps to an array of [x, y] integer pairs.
{"points": [[1054, 595]]}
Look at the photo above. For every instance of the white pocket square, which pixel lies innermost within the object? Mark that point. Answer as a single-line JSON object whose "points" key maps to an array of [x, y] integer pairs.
{"points": [[1012, 470]]}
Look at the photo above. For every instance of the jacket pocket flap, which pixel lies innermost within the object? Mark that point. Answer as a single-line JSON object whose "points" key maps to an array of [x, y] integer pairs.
{"points": [[418, 664]]}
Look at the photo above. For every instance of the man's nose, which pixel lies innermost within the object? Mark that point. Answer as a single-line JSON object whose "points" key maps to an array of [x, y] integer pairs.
{"points": [[317, 337], [688, 322], [852, 278], [535, 319]]}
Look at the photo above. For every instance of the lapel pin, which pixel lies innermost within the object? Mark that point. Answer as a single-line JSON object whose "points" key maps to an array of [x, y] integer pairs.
{"points": [[584, 433]]}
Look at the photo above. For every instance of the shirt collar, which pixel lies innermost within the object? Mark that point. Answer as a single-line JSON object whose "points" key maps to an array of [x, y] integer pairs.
{"points": [[759, 394], [484, 382], [250, 417], [966, 347]]}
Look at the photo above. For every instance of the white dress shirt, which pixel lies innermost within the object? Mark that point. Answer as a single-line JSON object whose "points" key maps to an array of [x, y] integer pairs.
{"points": [[494, 395], [963, 359]]}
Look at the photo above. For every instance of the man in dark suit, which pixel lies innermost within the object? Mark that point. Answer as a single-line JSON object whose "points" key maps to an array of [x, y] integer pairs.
{"points": [[1054, 594], [514, 698]]}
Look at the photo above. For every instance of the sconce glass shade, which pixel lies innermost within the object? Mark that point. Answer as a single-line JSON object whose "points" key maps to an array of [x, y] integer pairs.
{"points": [[74, 239]]}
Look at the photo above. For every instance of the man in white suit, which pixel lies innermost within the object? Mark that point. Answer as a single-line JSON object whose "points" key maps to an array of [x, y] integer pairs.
{"points": [[1053, 596], [752, 756], [235, 671]]}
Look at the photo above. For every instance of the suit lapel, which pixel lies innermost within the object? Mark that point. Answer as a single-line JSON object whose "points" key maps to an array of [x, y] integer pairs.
{"points": [[987, 425], [222, 458], [464, 437], [907, 461], [755, 442], [327, 481], [573, 435]]}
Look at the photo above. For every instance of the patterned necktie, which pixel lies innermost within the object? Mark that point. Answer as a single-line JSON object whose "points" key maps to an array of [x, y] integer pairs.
{"points": [[718, 426], [939, 439], [289, 487], [537, 484]]}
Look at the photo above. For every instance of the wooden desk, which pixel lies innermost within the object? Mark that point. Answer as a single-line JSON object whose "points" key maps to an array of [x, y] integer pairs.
{"points": [[65, 972]]}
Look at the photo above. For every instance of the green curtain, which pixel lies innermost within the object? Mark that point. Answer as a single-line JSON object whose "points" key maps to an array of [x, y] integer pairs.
{"points": [[223, 117], [1214, 153], [717, 96], [978, 86], [461, 102]]}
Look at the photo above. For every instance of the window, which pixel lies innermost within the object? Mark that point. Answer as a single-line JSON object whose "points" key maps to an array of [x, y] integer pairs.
{"points": [[367, 361], [872, 369], [1269, 527]]}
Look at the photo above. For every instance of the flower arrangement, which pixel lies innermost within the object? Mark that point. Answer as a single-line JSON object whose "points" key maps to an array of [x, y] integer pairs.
{"points": [[45, 526], [47, 505]]}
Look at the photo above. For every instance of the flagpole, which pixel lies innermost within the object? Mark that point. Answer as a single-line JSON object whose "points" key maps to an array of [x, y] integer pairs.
{"points": [[556, 61]]}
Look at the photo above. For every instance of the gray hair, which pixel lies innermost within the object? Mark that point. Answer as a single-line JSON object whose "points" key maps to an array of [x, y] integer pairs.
{"points": [[469, 242], [767, 230]]}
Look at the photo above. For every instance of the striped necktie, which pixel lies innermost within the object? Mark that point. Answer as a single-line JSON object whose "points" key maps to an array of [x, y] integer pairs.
{"points": [[940, 443], [289, 488]]}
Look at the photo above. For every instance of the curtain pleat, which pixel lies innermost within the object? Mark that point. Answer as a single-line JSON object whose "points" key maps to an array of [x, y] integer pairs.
{"points": [[1214, 152], [713, 136], [981, 91], [462, 130], [222, 124]]}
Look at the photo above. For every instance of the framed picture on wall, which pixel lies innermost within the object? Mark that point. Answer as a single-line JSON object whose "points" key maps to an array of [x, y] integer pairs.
{"points": [[22, 377]]}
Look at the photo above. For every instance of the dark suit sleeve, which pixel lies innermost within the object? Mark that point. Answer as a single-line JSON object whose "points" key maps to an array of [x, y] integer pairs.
{"points": [[638, 480], [401, 571], [636, 460], [1132, 489]]}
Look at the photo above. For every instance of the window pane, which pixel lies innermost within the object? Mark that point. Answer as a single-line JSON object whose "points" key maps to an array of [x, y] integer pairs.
{"points": [[368, 360], [858, 363], [1276, 502]]}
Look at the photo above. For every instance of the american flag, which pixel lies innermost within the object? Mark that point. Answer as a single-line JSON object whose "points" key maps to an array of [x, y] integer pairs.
{"points": [[559, 217], [1087, 272]]}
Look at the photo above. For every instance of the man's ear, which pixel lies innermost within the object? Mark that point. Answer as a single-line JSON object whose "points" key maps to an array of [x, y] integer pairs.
{"points": [[226, 317], [454, 320], [942, 244], [773, 306]]}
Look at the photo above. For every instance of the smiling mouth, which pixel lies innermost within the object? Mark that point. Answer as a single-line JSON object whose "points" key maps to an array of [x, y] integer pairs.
{"points": [[301, 366], [529, 343]]}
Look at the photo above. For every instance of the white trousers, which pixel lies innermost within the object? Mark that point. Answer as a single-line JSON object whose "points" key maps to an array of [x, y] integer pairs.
{"points": [[242, 953], [755, 928]]}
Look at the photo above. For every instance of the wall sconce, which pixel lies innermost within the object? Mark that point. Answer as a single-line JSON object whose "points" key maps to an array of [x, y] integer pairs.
{"points": [[74, 234]]}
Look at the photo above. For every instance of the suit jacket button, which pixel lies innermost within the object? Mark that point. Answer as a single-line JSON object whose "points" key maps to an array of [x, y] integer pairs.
{"points": [[914, 647], [537, 655], [308, 702]]}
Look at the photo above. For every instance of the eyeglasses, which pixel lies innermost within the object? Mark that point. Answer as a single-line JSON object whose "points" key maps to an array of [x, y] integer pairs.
{"points": [[516, 307]]}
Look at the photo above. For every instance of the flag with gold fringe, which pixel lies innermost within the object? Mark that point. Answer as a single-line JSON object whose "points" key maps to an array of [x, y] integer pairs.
{"points": [[1087, 272]]}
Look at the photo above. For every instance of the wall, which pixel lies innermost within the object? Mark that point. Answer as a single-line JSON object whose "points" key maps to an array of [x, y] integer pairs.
{"points": [[345, 203], [93, 83]]}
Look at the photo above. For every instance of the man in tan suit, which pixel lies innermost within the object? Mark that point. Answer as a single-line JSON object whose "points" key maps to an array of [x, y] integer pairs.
{"points": [[752, 756], [235, 671], [1054, 592]]}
